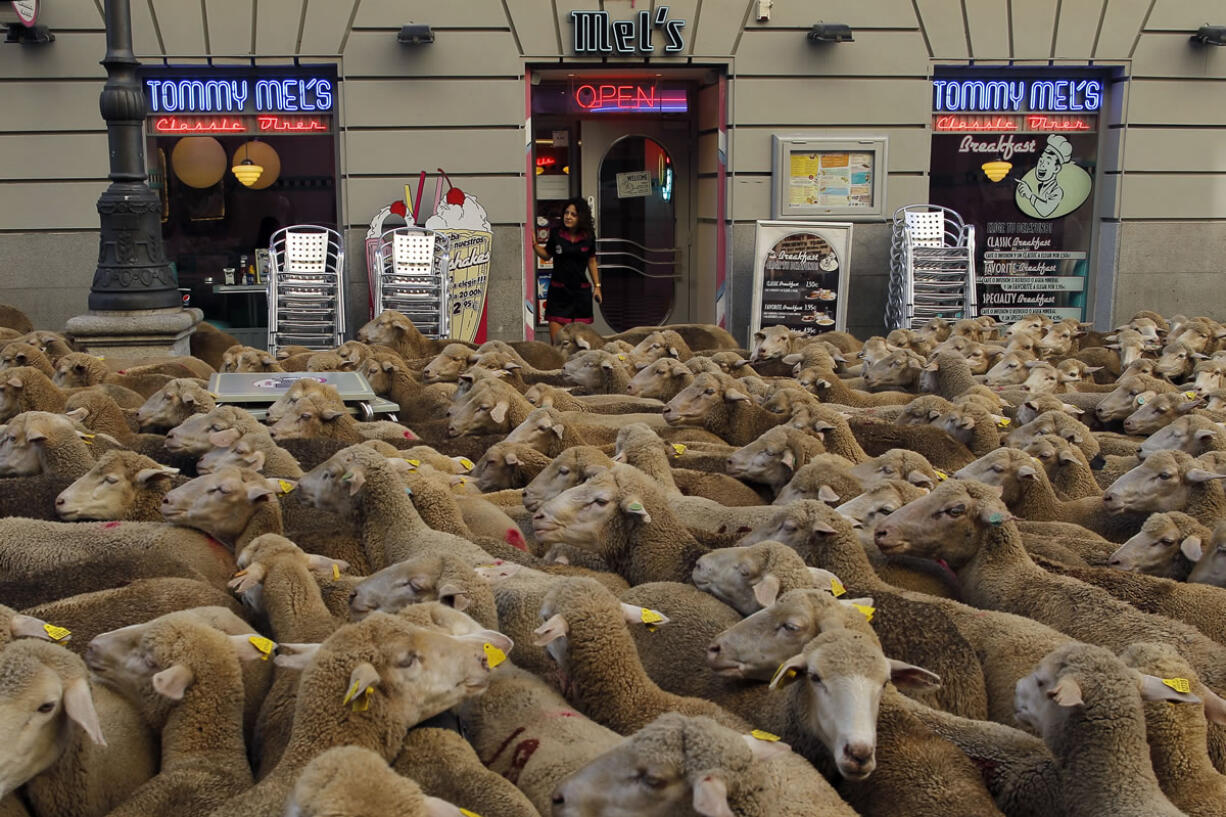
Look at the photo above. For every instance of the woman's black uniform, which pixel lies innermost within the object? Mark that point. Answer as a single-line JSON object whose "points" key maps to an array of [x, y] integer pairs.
{"points": [[570, 292]]}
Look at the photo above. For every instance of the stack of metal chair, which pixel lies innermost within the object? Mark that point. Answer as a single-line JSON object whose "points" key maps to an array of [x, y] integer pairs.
{"points": [[415, 278], [306, 288], [932, 267]]}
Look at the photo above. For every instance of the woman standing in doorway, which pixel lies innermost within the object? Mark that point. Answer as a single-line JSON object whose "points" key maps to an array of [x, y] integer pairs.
{"points": [[573, 250]]}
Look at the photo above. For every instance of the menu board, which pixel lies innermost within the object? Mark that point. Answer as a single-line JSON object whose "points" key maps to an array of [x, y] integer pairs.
{"points": [[1026, 182], [801, 272], [830, 179]]}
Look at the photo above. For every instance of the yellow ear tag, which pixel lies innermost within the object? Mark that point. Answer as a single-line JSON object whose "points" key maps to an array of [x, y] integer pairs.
{"points": [[468, 813], [621, 357], [1178, 684], [336, 572], [56, 633], [760, 735], [784, 671], [1003, 422], [494, 655], [866, 610], [88, 439], [1191, 395], [836, 587], [678, 449], [651, 618], [358, 703], [941, 475], [285, 486], [414, 463], [467, 463], [264, 645]]}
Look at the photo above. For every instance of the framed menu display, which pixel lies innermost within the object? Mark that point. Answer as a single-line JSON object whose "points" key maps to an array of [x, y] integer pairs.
{"points": [[801, 270], [819, 177]]}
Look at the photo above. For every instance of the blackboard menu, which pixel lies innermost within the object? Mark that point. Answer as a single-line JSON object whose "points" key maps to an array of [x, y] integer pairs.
{"points": [[800, 275]]}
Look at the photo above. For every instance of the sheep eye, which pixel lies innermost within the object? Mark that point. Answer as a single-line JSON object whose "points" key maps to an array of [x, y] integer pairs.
{"points": [[1167, 542], [709, 391], [790, 527], [111, 479], [815, 678], [996, 469], [215, 427], [563, 470], [47, 707], [789, 627], [955, 511], [306, 415], [408, 660], [1164, 475], [651, 781]]}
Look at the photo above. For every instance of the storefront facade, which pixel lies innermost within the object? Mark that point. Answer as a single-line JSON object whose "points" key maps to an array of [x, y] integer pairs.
{"points": [[669, 118]]}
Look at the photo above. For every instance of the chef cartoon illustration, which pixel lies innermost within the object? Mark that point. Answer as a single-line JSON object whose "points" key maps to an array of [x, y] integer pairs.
{"points": [[1056, 186]]}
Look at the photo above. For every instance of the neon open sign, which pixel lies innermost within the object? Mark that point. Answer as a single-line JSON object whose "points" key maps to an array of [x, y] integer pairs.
{"points": [[1019, 95], [628, 97], [240, 95]]}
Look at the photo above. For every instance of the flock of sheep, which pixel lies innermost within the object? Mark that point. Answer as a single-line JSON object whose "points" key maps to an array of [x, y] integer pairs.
{"points": [[968, 570]]}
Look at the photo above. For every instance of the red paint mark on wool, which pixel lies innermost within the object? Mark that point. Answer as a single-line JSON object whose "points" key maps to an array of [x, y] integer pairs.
{"points": [[111, 524], [516, 539], [409, 435]]}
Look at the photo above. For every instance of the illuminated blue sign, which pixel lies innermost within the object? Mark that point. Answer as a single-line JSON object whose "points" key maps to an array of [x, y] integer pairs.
{"points": [[1019, 95], [240, 95]]}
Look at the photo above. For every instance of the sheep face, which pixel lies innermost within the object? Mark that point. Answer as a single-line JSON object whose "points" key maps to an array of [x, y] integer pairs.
{"points": [[172, 404], [655, 347], [110, 489], [21, 354], [77, 370], [570, 468], [1050, 422], [948, 523], [378, 374], [413, 581], [1208, 376], [1058, 340], [935, 331], [1041, 378], [219, 504], [897, 463], [353, 354], [1130, 393], [923, 410], [304, 388], [674, 765], [44, 691], [388, 328], [540, 429], [769, 460], [589, 370], [1054, 453], [1159, 411], [192, 435], [539, 395], [706, 394], [842, 675], [1191, 434], [241, 454], [308, 420], [1211, 564], [1216, 400], [21, 446], [896, 371], [257, 360], [449, 364], [661, 379], [1175, 362], [737, 577], [583, 516], [1030, 324], [773, 343], [353, 780], [325, 362], [1163, 482], [481, 411], [819, 482], [869, 508], [1005, 468], [1195, 335], [977, 359], [496, 469], [1154, 547], [333, 485]]}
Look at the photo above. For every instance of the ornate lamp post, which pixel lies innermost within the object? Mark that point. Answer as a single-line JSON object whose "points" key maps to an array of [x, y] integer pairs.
{"points": [[134, 303]]}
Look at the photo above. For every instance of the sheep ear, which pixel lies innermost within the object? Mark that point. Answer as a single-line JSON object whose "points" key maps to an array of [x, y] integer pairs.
{"points": [[362, 681], [322, 565], [1155, 689], [356, 478], [966, 422], [866, 601], [434, 807], [918, 477], [634, 505], [499, 412], [553, 629], [510, 458], [558, 429], [497, 572], [734, 396], [1066, 457], [788, 459], [23, 626], [330, 415], [642, 615], [454, 596], [1027, 472], [1205, 434], [173, 681], [79, 706], [258, 490], [188, 399], [225, 438], [245, 646], [930, 367], [1191, 548], [911, 676], [1215, 707], [711, 797], [788, 671], [767, 590], [827, 494], [792, 359], [765, 748], [78, 414], [1201, 475], [255, 461], [15, 382], [146, 475], [1066, 692], [295, 656], [583, 343]]}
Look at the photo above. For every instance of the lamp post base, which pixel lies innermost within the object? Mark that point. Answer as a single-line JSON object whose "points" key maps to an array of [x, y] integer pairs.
{"points": [[133, 336]]}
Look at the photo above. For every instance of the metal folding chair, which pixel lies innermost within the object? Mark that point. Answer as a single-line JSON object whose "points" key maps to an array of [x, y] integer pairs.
{"points": [[932, 267], [306, 288], [415, 278]]}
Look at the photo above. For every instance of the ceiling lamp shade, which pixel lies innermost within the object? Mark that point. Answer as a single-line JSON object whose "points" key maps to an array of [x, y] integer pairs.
{"points": [[198, 161], [256, 165]]}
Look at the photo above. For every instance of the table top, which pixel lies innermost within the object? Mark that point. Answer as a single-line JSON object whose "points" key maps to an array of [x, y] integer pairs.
{"points": [[232, 289]]}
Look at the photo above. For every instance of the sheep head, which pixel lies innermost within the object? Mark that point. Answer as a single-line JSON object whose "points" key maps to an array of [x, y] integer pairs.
{"points": [[302, 389], [174, 403], [589, 370], [663, 378], [432, 577], [1210, 560], [25, 439], [586, 515], [841, 675], [876, 503], [111, 488], [220, 504], [312, 417], [78, 369], [449, 364], [1008, 469], [826, 478], [335, 485], [706, 394], [192, 436], [23, 354], [746, 578], [899, 370], [573, 466], [949, 523], [1060, 424], [1159, 542], [1130, 393], [1159, 411], [673, 765], [657, 346], [483, 409], [1041, 378], [1162, 482], [772, 343], [230, 450], [541, 429], [388, 328], [898, 463], [1009, 370], [1055, 453], [354, 780]]}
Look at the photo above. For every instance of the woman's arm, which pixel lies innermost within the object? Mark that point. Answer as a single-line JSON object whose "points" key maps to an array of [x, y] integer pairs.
{"points": [[594, 274], [540, 251]]}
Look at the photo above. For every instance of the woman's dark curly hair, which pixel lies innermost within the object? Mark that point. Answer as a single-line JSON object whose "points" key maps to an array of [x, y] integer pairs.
{"points": [[583, 212]]}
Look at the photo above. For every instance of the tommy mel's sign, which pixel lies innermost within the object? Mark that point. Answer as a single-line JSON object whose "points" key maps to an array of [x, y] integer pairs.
{"points": [[596, 33], [1056, 95], [243, 91]]}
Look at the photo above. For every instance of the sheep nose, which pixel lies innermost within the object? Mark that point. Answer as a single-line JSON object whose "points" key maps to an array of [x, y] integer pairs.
{"points": [[60, 502], [272, 432], [1114, 562], [538, 517], [858, 753], [713, 649], [880, 533]]}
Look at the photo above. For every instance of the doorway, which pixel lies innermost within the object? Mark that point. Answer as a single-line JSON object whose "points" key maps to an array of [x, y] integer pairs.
{"points": [[628, 145]]}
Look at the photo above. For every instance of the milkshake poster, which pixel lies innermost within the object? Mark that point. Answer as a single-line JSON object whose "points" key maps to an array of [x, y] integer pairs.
{"points": [[462, 219]]}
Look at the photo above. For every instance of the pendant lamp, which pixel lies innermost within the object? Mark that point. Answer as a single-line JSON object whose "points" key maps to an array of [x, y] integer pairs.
{"points": [[247, 171]]}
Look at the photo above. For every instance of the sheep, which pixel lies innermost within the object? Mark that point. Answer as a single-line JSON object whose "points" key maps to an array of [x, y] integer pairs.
{"points": [[877, 436], [365, 685], [302, 389], [489, 407], [1176, 734], [74, 748], [121, 485], [1088, 707], [508, 465], [393, 380], [1191, 433], [14, 625], [13, 318], [392, 329], [1009, 645], [983, 547], [752, 577], [23, 354], [431, 577], [1066, 466], [570, 468], [1121, 402], [312, 418], [716, 404], [77, 370], [351, 781], [875, 503], [774, 457], [1164, 546], [253, 449], [192, 435], [1169, 481], [1160, 410], [827, 478], [256, 360], [185, 679], [700, 765], [1010, 369], [27, 389], [640, 446], [662, 379], [974, 426], [1032, 407], [830, 388], [98, 413], [40, 442], [598, 372], [208, 343]]}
